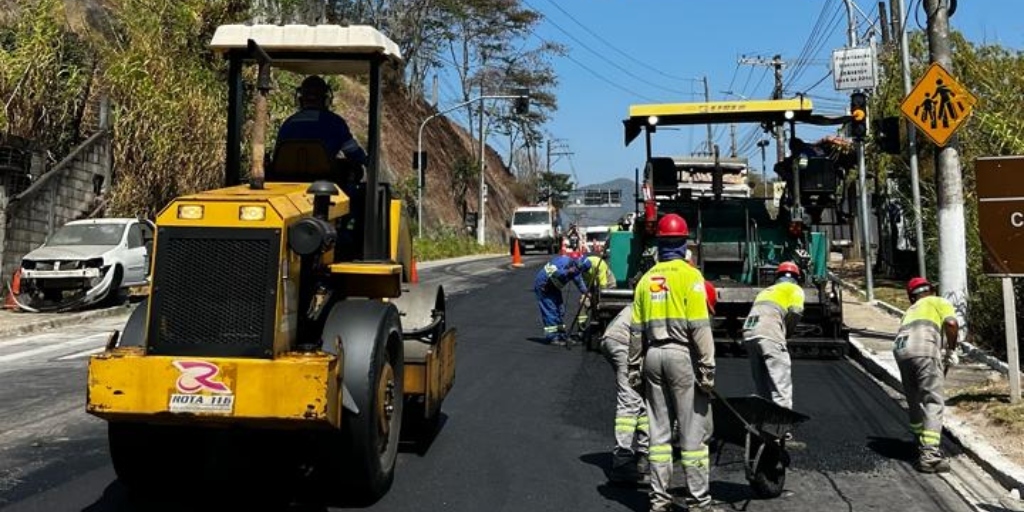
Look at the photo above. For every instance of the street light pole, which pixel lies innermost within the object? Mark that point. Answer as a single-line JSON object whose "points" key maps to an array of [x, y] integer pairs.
{"points": [[419, 153]]}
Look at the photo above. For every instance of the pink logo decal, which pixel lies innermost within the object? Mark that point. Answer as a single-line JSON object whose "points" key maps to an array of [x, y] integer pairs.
{"points": [[197, 376]]}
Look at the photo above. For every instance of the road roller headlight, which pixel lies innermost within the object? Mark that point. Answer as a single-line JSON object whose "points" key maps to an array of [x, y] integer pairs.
{"points": [[252, 213], [310, 236], [190, 211]]}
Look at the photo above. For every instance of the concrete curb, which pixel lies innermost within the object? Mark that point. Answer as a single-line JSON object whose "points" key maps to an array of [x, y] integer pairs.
{"points": [[1007, 473], [66, 319]]}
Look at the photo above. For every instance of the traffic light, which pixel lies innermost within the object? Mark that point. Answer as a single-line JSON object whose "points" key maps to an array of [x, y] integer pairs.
{"points": [[858, 116], [887, 135], [522, 105]]}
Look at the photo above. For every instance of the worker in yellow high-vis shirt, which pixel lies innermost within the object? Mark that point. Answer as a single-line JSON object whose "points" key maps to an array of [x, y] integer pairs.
{"points": [[673, 352], [918, 351], [771, 320]]}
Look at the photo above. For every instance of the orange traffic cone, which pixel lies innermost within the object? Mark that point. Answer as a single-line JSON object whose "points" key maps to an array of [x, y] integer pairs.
{"points": [[15, 290], [414, 277], [517, 258]]}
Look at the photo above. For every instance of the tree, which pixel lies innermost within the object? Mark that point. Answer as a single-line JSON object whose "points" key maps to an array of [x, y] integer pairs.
{"points": [[464, 172], [554, 187]]}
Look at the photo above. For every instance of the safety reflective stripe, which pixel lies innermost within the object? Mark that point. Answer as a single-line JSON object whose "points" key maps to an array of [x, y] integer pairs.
{"points": [[582, 319], [548, 329], [673, 328], [660, 454], [696, 458], [917, 428], [930, 437], [625, 424], [642, 423]]}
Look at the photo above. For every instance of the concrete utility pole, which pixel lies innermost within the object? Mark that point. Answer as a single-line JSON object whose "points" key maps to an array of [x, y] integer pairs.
{"points": [[865, 225], [481, 216], [780, 150], [950, 188], [707, 99], [776, 63], [732, 140], [898, 22]]}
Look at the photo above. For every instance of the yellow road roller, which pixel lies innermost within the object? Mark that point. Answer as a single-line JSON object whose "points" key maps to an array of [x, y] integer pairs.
{"points": [[273, 327]]}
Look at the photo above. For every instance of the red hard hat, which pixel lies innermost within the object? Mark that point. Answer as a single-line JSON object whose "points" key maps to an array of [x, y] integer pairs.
{"points": [[709, 290], [918, 285], [788, 266], [672, 225]]}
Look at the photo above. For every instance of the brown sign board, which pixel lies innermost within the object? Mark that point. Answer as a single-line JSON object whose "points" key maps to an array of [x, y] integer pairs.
{"points": [[1000, 188]]}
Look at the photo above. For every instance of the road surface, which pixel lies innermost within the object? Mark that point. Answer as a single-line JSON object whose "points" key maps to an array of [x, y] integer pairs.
{"points": [[528, 427]]}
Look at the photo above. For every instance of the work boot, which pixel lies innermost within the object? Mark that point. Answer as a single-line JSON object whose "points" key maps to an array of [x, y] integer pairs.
{"points": [[932, 465], [624, 468], [931, 460]]}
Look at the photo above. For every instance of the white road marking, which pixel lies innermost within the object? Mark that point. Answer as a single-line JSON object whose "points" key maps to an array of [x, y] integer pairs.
{"points": [[82, 354], [52, 348]]}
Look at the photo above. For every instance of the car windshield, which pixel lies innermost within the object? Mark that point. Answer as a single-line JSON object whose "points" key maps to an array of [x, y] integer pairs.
{"points": [[522, 218], [87, 234]]}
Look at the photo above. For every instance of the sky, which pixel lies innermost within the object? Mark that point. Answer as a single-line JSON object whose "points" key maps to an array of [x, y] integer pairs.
{"points": [[624, 52]]}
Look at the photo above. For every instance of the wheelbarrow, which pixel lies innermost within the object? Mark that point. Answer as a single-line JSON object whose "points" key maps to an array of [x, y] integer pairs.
{"points": [[759, 426]]}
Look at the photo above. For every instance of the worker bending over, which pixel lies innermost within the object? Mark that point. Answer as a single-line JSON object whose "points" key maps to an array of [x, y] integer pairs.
{"points": [[629, 459], [918, 349], [551, 279], [773, 317]]}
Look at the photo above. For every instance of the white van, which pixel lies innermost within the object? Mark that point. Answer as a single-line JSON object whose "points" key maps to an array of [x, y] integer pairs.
{"points": [[536, 228]]}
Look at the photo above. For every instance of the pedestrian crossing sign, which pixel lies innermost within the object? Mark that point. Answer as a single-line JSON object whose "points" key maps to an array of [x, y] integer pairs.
{"points": [[938, 105]]}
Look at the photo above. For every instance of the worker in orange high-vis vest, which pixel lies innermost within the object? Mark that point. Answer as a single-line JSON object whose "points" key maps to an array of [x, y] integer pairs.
{"points": [[673, 352], [918, 352]]}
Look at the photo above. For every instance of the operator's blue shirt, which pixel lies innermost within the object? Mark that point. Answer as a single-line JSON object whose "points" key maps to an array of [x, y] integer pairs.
{"points": [[557, 273], [325, 126]]}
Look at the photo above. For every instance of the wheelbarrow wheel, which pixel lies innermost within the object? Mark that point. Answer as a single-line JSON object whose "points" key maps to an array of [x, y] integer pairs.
{"points": [[769, 477]]}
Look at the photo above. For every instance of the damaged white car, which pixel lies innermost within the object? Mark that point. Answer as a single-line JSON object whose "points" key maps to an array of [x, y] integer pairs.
{"points": [[86, 262]]}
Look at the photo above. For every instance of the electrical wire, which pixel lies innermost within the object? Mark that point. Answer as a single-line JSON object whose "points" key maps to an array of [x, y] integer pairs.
{"points": [[599, 76], [610, 45], [602, 57]]}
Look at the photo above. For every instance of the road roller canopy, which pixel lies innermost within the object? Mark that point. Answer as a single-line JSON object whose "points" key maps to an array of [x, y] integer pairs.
{"points": [[306, 50], [766, 112], [311, 49]]}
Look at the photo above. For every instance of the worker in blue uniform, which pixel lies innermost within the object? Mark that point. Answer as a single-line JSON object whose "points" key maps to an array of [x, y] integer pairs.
{"points": [[551, 280]]}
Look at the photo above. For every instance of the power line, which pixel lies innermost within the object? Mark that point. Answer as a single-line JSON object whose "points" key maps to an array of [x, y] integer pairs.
{"points": [[605, 59], [613, 47], [600, 76]]}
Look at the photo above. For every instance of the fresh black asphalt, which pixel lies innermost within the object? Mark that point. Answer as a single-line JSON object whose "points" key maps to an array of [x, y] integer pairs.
{"points": [[527, 428]]}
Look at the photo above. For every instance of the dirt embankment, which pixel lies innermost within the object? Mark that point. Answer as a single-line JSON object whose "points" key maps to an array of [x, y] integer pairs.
{"points": [[445, 142]]}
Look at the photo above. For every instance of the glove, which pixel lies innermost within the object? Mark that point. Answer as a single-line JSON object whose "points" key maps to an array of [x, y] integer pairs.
{"points": [[706, 378], [634, 377]]}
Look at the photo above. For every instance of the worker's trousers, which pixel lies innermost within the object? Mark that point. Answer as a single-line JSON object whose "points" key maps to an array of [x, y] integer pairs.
{"points": [[631, 424], [923, 385], [671, 393], [771, 368], [552, 311]]}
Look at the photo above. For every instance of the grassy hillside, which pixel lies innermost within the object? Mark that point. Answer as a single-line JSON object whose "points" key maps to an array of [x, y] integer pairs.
{"points": [[169, 102]]}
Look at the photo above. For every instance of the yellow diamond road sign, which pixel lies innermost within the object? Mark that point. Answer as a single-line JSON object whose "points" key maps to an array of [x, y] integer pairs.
{"points": [[938, 105]]}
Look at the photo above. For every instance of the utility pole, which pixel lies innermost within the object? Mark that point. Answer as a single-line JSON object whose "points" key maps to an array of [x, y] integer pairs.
{"points": [[707, 99], [865, 226], [481, 216], [732, 140], [898, 21], [777, 64], [780, 150], [950, 190], [763, 143]]}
